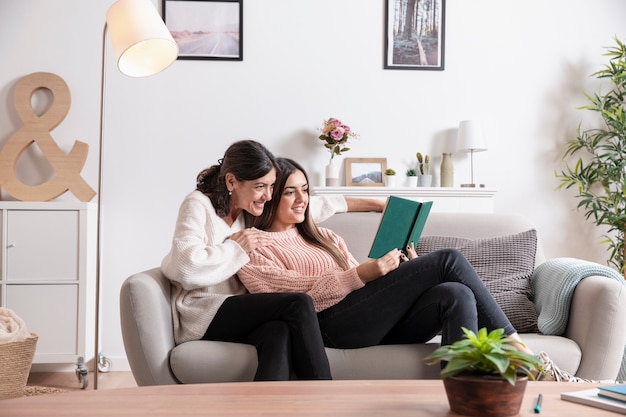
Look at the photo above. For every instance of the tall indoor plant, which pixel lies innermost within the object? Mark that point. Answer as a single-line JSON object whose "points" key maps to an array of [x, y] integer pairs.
{"points": [[599, 174]]}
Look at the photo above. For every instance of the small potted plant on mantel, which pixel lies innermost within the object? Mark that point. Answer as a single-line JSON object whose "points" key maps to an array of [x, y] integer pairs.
{"points": [[425, 174], [411, 178], [389, 177], [485, 374]]}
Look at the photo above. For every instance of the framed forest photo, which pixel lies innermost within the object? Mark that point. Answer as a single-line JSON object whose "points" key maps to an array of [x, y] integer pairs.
{"points": [[414, 31]]}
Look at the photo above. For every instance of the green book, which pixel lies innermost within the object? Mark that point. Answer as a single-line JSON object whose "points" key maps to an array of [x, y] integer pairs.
{"points": [[402, 222]]}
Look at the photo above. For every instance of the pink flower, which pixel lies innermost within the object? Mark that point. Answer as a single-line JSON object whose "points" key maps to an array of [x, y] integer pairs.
{"points": [[335, 134], [338, 133]]}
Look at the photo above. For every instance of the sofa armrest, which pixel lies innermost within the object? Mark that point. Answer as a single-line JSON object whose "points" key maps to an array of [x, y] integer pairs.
{"points": [[147, 329], [597, 323]]}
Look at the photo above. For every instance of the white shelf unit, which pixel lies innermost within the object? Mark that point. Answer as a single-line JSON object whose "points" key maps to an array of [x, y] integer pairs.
{"points": [[445, 199], [48, 275]]}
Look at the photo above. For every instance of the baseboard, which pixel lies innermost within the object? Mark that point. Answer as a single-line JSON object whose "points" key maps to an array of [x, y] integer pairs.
{"points": [[118, 363]]}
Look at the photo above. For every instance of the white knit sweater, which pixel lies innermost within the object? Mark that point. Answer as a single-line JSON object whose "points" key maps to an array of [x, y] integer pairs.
{"points": [[202, 262]]}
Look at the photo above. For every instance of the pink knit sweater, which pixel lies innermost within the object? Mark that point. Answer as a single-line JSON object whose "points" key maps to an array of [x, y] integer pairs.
{"points": [[291, 264]]}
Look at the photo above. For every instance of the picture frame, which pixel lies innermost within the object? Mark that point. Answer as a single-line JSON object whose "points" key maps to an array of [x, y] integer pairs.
{"points": [[206, 29], [415, 34], [365, 172]]}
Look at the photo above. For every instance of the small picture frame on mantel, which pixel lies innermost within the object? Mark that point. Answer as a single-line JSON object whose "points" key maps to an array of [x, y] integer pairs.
{"points": [[206, 29], [365, 172]]}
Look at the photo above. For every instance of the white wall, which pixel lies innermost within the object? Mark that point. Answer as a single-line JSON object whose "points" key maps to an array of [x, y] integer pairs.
{"points": [[521, 67]]}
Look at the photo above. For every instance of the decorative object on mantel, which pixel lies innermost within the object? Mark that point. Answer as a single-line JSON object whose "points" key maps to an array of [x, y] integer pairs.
{"points": [[336, 135], [36, 129], [447, 170], [332, 173], [425, 178], [471, 139], [367, 172], [411, 178], [390, 178]]}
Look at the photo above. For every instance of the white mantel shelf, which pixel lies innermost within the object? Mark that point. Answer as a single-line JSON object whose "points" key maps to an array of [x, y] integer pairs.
{"points": [[445, 199]]}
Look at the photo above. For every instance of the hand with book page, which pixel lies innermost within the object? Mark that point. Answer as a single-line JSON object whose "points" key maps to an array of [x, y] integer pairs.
{"points": [[410, 250]]}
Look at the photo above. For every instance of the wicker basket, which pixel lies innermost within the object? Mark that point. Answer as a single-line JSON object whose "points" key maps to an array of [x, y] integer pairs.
{"points": [[15, 361]]}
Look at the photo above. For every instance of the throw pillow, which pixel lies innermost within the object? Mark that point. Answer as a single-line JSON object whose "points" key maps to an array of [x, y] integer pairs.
{"points": [[505, 264]]}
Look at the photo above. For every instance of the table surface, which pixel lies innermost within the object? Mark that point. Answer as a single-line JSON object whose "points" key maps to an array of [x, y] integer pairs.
{"points": [[413, 398]]}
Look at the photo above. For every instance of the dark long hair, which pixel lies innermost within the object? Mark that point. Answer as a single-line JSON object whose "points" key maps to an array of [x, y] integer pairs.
{"points": [[307, 229], [246, 159]]}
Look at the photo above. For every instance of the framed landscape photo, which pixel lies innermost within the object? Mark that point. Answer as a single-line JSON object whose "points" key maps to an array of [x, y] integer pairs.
{"points": [[414, 34], [365, 171], [206, 29]]}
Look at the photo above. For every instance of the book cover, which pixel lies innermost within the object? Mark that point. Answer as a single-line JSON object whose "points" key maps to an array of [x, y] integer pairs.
{"points": [[402, 222], [617, 392], [590, 397]]}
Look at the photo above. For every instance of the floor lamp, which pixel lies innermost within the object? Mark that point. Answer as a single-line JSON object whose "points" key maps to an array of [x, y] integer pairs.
{"points": [[143, 46], [471, 139]]}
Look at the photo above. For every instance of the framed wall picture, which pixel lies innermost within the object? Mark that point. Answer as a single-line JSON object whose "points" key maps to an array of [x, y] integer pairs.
{"points": [[206, 29], [365, 171], [414, 34]]}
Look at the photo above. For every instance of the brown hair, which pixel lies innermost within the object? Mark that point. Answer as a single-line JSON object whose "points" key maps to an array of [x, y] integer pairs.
{"points": [[246, 159], [307, 229]]}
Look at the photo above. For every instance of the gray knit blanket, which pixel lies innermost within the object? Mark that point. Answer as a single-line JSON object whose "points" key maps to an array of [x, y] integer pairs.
{"points": [[553, 295]]}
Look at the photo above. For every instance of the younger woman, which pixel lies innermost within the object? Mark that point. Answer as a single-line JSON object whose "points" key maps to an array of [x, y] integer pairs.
{"points": [[390, 300]]}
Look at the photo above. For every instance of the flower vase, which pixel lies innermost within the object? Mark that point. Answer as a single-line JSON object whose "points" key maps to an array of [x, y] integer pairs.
{"points": [[332, 173]]}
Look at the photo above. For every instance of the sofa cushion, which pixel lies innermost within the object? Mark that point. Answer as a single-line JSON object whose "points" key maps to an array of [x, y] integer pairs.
{"points": [[505, 264]]}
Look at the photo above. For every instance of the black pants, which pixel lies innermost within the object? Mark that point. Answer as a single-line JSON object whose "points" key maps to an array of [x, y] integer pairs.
{"points": [[437, 292], [283, 328]]}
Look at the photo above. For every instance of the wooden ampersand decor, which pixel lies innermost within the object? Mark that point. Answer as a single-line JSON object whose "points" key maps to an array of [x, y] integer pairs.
{"points": [[37, 129]]}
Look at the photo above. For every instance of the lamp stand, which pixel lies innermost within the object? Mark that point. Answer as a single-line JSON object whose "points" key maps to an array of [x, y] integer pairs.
{"points": [[96, 357], [472, 185]]}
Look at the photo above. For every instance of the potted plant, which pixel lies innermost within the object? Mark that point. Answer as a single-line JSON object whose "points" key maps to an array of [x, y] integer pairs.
{"points": [[425, 174], [485, 373], [411, 177], [598, 175], [389, 177]]}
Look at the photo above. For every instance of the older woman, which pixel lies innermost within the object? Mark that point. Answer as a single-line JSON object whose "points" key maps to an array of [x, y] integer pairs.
{"points": [[211, 242]]}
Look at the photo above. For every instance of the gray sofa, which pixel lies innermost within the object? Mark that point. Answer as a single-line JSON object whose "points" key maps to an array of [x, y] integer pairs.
{"points": [[591, 346]]}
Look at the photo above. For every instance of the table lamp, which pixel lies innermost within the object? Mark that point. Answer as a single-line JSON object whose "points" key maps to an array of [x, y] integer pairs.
{"points": [[470, 139]]}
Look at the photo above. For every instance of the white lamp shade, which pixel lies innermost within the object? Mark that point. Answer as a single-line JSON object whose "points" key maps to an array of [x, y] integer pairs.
{"points": [[470, 137], [142, 43]]}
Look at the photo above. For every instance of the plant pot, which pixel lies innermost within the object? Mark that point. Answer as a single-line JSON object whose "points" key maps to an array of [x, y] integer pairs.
{"points": [[484, 395], [391, 180], [411, 181], [425, 180]]}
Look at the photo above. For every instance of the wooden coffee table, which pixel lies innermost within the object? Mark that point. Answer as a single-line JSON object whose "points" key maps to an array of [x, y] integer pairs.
{"points": [[413, 398]]}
